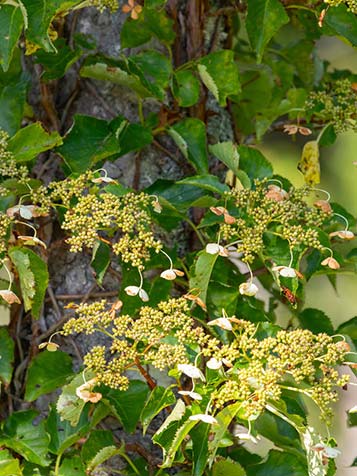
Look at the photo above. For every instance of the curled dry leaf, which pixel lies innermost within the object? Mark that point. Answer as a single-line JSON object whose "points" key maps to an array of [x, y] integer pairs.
{"points": [[171, 274], [196, 299]]}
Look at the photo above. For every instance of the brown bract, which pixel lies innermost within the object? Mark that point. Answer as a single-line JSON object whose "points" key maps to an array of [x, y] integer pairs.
{"points": [[132, 8], [84, 392], [9, 296], [331, 263], [323, 205]]}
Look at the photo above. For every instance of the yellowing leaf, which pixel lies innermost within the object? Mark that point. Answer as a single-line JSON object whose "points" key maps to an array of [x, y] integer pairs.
{"points": [[309, 164]]}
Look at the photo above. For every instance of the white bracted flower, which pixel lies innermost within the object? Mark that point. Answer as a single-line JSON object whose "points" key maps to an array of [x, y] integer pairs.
{"points": [[331, 263], [32, 240], [215, 248], [9, 296], [191, 371], [171, 273], [222, 322], [203, 417], [191, 394], [138, 290], [25, 211], [248, 289], [104, 178], [85, 393], [285, 271], [326, 450], [343, 234], [214, 364]]}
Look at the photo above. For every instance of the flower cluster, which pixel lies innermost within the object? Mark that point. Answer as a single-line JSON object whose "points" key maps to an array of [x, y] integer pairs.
{"points": [[101, 5], [268, 209], [260, 368], [336, 104], [5, 222], [253, 369], [351, 4], [126, 217], [144, 339], [65, 192], [8, 166]]}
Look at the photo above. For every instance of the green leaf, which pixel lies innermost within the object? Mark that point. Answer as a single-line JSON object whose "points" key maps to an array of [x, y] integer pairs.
{"points": [[88, 141], [103, 455], [11, 23], [29, 469], [127, 405], [154, 71], [253, 162], [7, 346], [264, 19], [278, 464], [12, 104], [328, 136], [100, 260], [201, 273], [26, 438], [316, 321], [56, 64], [199, 435], [151, 23], [33, 276], [47, 371], [159, 399], [280, 433], [97, 440], [185, 88], [72, 467], [167, 434], [341, 22], [173, 445], [69, 406], [227, 153], [155, 3], [351, 418], [131, 136], [206, 182], [98, 448], [349, 328], [224, 418], [219, 73], [31, 140], [227, 467], [105, 69], [176, 197], [40, 14], [9, 465], [62, 433], [190, 137]]}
